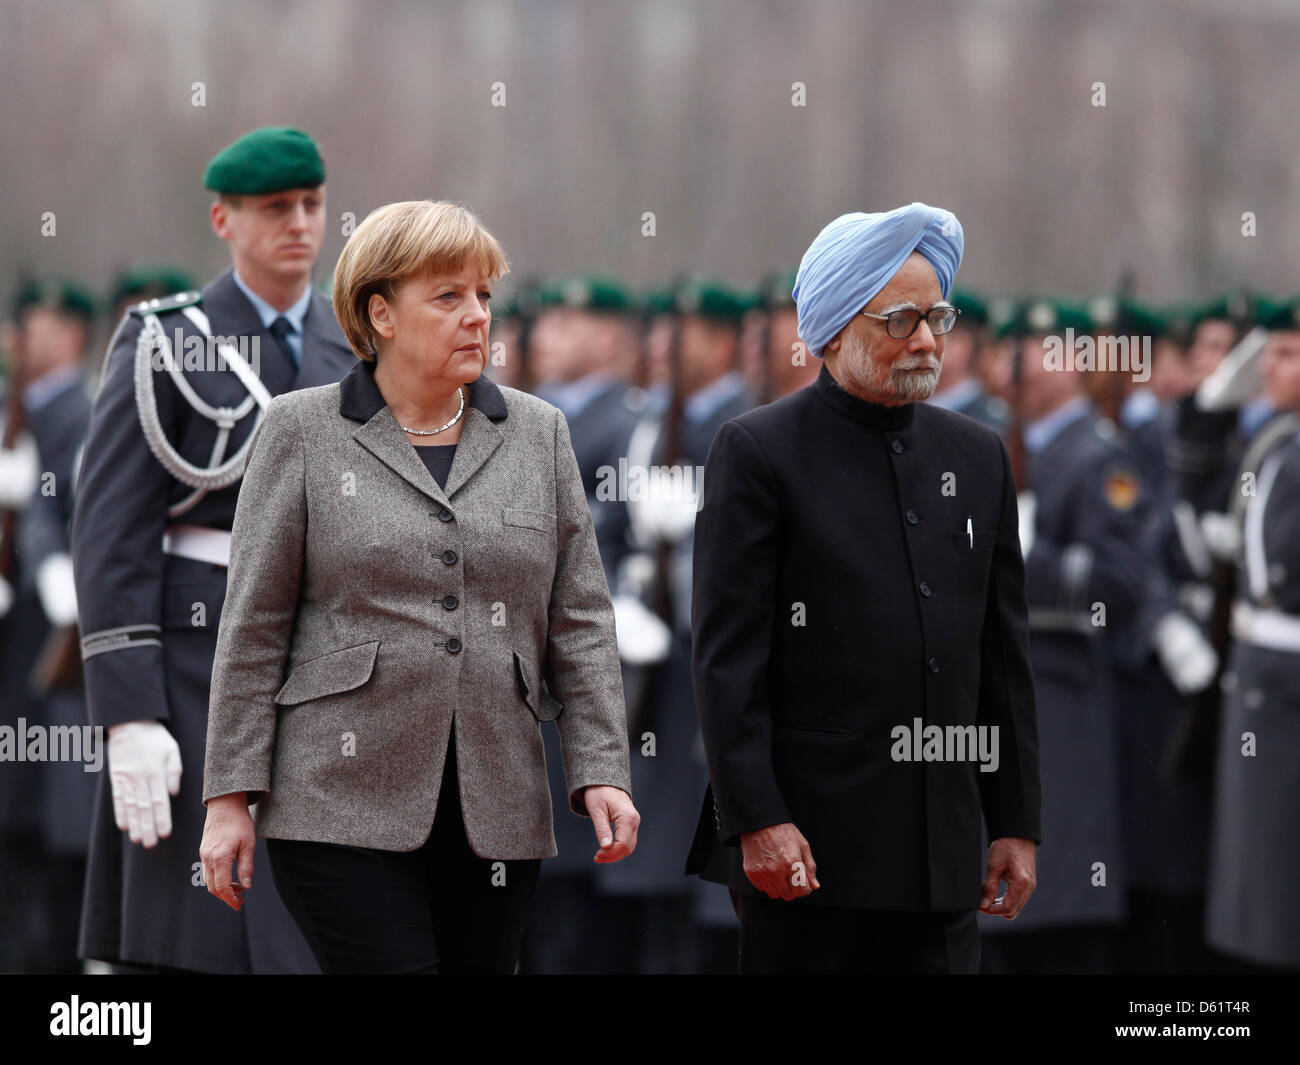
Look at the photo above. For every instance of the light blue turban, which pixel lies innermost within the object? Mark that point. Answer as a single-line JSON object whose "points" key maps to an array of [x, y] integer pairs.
{"points": [[854, 257]]}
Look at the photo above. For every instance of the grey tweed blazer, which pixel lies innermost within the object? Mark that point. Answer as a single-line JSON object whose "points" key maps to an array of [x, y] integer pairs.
{"points": [[366, 607]]}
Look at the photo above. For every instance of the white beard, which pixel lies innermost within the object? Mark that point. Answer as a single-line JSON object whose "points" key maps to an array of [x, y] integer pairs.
{"points": [[897, 382]]}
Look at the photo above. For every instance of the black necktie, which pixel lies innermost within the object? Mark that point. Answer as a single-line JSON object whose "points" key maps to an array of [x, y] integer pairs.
{"points": [[280, 329]]}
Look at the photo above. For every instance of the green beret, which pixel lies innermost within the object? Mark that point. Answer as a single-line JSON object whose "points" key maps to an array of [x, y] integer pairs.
{"points": [[266, 160], [708, 298], [777, 291], [1279, 315], [974, 311], [144, 281], [657, 301], [1125, 317], [1237, 307], [1044, 316], [585, 293], [56, 294]]}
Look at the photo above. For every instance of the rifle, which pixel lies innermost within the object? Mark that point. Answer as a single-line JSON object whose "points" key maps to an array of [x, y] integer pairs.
{"points": [[15, 424], [661, 596], [526, 300], [1016, 423]]}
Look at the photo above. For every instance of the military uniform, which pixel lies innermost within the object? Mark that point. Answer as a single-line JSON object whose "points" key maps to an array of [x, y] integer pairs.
{"points": [[149, 597]]}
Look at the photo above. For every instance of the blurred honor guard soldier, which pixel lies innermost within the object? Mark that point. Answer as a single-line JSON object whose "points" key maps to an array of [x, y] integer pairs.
{"points": [[53, 320], [961, 389], [1252, 913], [858, 587], [580, 336], [1080, 525], [776, 361], [695, 349], [171, 426]]}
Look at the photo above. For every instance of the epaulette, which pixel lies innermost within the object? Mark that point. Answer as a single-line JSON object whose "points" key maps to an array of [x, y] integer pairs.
{"points": [[167, 303]]}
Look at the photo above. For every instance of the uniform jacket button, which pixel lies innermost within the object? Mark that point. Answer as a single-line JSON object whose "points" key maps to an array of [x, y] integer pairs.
{"points": [[450, 602], [934, 665], [453, 645], [449, 556], [912, 519]]}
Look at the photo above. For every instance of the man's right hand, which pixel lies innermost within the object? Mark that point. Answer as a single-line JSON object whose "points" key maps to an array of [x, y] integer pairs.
{"points": [[779, 862], [144, 767]]}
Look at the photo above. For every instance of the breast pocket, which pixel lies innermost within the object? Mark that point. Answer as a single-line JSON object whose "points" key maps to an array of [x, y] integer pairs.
{"points": [[338, 671], [542, 521], [973, 539], [544, 708]]}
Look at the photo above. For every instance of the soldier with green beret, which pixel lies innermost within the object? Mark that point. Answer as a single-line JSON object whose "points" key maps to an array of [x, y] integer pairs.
{"points": [[776, 362], [185, 384], [961, 387]]}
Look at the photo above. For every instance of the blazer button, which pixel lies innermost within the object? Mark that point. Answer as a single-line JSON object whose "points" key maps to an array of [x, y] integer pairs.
{"points": [[453, 645], [912, 519], [934, 665], [925, 589], [897, 446], [449, 556], [444, 514], [450, 602]]}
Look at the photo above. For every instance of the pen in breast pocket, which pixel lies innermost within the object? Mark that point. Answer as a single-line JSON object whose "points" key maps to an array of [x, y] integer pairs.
{"points": [[970, 532]]}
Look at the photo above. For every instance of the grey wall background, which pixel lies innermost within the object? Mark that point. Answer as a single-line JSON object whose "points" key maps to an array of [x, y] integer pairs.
{"points": [[620, 107]]}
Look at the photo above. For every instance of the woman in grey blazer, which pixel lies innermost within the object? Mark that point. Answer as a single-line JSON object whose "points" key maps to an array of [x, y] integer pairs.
{"points": [[412, 557]]}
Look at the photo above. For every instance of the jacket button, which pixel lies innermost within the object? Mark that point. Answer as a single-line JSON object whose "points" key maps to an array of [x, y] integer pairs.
{"points": [[933, 664], [453, 645], [897, 445], [449, 556], [912, 519], [450, 602], [925, 589], [444, 514]]}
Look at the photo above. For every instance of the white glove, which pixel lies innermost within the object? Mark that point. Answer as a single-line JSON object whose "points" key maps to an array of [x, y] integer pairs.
{"points": [[6, 596], [19, 473], [643, 638], [1186, 655], [1027, 505], [144, 767], [663, 514], [57, 590], [1222, 535], [1236, 378]]}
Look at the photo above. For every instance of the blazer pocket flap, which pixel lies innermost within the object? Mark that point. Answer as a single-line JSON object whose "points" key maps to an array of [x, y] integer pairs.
{"points": [[545, 707], [541, 520], [338, 671]]}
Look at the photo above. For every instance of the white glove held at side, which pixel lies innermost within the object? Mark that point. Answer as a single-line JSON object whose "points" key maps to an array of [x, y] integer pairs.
{"points": [[144, 767]]}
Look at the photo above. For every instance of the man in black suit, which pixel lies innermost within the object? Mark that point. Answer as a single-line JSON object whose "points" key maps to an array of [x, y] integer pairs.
{"points": [[861, 664], [183, 388]]}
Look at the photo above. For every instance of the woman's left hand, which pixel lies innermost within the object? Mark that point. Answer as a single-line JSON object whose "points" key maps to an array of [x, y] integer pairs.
{"points": [[608, 807]]}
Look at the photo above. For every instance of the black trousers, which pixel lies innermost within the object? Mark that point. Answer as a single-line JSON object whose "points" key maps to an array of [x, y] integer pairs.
{"points": [[789, 937], [437, 909]]}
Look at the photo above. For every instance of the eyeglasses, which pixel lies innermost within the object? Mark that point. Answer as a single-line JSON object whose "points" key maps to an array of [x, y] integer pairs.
{"points": [[902, 323]]}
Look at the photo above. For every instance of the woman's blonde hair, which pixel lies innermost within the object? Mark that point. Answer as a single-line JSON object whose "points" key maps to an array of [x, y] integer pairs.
{"points": [[403, 240]]}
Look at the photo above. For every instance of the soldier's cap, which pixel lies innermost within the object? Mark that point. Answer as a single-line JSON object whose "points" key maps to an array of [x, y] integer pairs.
{"points": [[974, 310], [588, 292], [777, 291], [1237, 307], [1045, 316], [1279, 315], [1125, 316], [143, 281], [56, 294], [267, 160], [710, 298]]}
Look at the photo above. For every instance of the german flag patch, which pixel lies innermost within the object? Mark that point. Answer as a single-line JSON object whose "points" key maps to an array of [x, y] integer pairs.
{"points": [[1121, 489]]}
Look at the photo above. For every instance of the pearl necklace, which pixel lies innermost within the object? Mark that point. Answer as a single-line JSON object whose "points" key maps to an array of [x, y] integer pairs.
{"points": [[441, 428]]}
